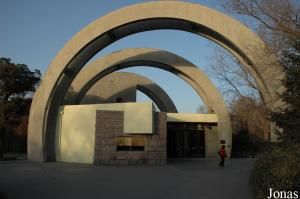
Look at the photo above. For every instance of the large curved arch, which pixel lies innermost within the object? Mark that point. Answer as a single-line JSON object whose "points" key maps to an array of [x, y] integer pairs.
{"points": [[220, 28], [117, 84]]}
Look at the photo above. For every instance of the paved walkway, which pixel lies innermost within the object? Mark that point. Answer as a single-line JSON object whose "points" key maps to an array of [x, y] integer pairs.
{"points": [[180, 179]]}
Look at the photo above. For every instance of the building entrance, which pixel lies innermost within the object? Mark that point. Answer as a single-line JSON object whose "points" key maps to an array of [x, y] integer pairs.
{"points": [[185, 140]]}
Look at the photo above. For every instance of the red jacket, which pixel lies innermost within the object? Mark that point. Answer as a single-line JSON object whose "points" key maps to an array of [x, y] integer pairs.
{"points": [[223, 153]]}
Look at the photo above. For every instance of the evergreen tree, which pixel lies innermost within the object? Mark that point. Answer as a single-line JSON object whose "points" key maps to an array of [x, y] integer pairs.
{"points": [[289, 117]]}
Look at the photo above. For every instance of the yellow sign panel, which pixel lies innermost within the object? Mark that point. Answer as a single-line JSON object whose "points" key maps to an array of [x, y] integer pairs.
{"points": [[130, 141]]}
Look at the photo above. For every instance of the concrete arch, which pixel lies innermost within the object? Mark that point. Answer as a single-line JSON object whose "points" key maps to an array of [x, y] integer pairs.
{"points": [[117, 84], [220, 28]]}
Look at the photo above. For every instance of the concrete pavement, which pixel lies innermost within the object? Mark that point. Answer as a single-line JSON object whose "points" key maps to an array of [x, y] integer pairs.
{"points": [[180, 179]]}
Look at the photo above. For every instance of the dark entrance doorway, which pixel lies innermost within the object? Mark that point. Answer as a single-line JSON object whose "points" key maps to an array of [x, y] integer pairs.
{"points": [[185, 140]]}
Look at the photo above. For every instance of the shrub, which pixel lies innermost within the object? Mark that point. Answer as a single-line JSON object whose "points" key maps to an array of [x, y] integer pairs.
{"points": [[245, 144], [278, 168]]}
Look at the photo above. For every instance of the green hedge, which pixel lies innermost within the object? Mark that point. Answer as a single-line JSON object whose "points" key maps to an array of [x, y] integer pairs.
{"points": [[278, 168]]}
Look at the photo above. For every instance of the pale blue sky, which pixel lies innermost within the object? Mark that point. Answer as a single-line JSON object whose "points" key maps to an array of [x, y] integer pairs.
{"points": [[33, 31]]}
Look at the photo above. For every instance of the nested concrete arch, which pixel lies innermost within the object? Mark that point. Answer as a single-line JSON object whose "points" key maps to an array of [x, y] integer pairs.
{"points": [[222, 29], [119, 84], [194, 76]]}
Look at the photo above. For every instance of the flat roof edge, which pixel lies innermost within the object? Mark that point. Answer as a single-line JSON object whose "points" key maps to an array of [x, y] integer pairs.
{"points": [[192, 117]]}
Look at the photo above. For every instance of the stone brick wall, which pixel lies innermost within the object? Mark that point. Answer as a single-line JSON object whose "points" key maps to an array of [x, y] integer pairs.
{"points": [[110, 125]]}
